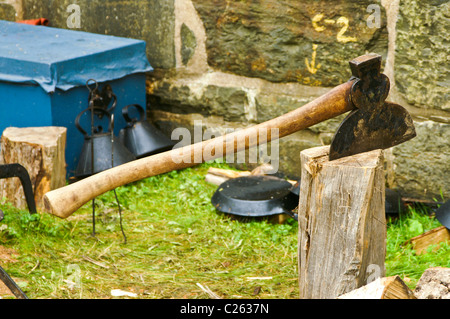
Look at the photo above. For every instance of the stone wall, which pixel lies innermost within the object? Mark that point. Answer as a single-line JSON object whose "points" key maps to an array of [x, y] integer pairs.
{"points": [[236, 63]]}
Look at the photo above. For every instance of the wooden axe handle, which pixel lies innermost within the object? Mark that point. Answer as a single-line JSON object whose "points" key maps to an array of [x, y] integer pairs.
{"points": [[64, 201]]}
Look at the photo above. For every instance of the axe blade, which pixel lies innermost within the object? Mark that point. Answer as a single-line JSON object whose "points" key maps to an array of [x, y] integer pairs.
{"points": [[363, 131]]}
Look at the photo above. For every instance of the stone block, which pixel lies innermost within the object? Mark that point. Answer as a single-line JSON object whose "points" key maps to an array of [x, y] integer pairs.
{"points": [[421, 55], [188, 43], [421, 165], [7, 12], [149, 20], [197, 97], [309, 42], [269, 106]]}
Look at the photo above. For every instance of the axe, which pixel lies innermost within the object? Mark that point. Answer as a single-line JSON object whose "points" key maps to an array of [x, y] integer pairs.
{"points": [[371, 124]]}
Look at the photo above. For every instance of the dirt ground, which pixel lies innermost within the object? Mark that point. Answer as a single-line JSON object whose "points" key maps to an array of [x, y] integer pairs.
{"points": [[6, 256]]}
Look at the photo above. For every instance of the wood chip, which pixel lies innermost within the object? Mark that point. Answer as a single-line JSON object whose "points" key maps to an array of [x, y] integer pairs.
{"points": [[35, 266], [122, 293], [259, 278], [208, 291]]}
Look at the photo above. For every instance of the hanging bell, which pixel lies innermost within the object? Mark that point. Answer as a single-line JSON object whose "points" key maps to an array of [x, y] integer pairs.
{"points": [[101, 150], [101, 99], [141, 137]]}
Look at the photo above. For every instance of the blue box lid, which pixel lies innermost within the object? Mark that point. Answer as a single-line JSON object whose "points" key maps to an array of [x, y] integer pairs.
{"points": [[59, 58]]}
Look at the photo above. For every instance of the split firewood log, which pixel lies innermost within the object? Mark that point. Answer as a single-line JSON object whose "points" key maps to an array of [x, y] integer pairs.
{"points": [[382, 288], [433, 237], [217, 176]]}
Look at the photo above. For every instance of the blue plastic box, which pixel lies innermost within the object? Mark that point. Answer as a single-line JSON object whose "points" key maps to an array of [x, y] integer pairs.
{"points": [[43, 75]]}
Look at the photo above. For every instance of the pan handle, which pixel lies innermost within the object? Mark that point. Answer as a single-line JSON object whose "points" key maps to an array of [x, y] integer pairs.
{"points": [[127, 117], [13, 287], [292, 214]]}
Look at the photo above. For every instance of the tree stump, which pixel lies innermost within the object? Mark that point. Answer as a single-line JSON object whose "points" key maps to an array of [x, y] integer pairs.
{"points": [[342, 223], [41, 151]]}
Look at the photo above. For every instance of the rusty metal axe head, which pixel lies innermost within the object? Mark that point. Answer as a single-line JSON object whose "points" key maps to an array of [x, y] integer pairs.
{"points": [[374, 123]]}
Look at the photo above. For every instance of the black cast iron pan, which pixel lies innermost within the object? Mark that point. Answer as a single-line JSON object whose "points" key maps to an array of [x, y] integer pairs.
{"points": [[256, 196], [443, 214], [393, 202]]}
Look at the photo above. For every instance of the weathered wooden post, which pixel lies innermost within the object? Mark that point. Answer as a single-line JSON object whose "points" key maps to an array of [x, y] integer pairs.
{"points": [[342, 227]]}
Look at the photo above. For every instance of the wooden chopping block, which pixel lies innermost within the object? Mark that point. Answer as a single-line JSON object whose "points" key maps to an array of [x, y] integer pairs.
{"points": [[41, 150], [342, 226]]}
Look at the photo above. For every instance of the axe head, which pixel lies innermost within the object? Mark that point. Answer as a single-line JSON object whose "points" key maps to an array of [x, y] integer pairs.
{"points": [[374, 123]]}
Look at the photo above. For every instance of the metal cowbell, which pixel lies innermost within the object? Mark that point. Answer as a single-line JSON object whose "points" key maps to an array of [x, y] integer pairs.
{"points": [[140, 136], [101, 150]]}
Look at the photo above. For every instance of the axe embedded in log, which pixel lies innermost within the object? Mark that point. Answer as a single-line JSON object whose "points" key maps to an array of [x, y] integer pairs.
{"points": [[371, 124]]}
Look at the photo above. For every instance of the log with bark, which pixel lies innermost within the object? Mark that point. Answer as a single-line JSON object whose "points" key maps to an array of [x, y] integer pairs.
{"points": [[41, 151]]}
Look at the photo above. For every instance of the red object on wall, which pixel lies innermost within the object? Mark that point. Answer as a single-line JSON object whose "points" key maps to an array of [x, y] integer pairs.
{"points": [[41, 21]]}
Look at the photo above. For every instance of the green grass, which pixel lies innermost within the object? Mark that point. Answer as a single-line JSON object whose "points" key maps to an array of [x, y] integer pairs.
{"points": [[401, 258], [174, 240]]}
